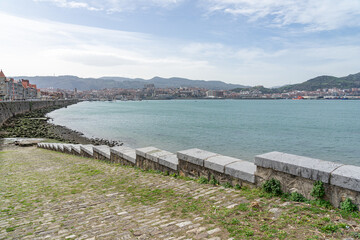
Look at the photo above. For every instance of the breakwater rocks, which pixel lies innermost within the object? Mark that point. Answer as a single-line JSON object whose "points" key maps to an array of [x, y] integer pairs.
{"points": [[306, 178]]}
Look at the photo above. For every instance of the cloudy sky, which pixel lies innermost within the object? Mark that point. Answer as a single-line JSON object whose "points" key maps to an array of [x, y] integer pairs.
{"points": [[250, 42]]}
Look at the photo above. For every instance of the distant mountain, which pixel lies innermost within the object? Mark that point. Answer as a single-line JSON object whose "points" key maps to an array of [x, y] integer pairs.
{"points": [[72, 82], [350, 81]]}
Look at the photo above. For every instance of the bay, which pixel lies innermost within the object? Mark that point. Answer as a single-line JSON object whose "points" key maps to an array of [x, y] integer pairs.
{"points": [[324, 129]]}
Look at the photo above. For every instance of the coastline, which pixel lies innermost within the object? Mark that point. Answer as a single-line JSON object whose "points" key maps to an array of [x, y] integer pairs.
{"points": [[35, 124]]}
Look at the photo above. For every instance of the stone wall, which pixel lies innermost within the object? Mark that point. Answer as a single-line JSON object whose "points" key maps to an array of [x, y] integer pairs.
{"points": [[298, 174], [295, 173], [11, 109]]}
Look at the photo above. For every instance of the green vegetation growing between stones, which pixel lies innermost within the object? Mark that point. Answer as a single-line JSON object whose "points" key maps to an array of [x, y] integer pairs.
{"points": [[348, 206], [318, 191], [273, 187], [213, 181], [203, 180], [297, 197]]}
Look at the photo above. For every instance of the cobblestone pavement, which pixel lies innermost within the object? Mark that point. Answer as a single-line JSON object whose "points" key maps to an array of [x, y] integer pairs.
{"points": [[49, 195]]}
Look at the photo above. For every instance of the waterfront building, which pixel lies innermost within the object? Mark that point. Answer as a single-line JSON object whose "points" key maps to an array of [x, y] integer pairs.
{"points": [[12, 90]]}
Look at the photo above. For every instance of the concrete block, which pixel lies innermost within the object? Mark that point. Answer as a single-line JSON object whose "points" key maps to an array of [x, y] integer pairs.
{"points": [[170, 161], [119, 150], [218, 163], [102, 150], [242, 170], [195, 156], [130, 155], [155, 155], [60, 147], [305, 167], [346, 176], [68, 147], [87, 148], [76, 148], [147, 150]]}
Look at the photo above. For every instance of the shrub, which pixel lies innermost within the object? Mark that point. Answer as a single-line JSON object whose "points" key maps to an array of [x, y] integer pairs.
{"points": [[272, 186], [297, 197], [348, 206], [318, 190]]}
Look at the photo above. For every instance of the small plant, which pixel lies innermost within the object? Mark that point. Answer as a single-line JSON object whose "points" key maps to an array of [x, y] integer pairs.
{"points": [[203, 180], [297, 197], [330, 228], [272, 186], [213, 181], [10, 229], [318, 190], [237, 187], [348, 206], [227, 185]]}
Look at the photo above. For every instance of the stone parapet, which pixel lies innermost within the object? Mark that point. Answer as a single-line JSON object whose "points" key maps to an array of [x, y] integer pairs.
{"points": [[67, 148], [86, 150], [298, 174], [151, 158], [101, 152], [76, 149], [199, 163], [295, 173], [123, 155]]}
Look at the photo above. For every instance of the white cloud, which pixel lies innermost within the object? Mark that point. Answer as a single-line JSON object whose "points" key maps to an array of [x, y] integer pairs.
{"points": [[113, 5], [315, 15], [32, 47]]}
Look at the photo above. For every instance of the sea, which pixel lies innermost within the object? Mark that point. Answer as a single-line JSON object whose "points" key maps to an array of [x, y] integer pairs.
{"points": [[323, 129]]}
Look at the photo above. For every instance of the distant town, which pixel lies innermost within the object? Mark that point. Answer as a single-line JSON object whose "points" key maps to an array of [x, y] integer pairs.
{"points": [[17, 90]]}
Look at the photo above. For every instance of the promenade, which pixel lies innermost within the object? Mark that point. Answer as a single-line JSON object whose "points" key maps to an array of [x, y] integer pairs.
{"points": [[50, 195]]}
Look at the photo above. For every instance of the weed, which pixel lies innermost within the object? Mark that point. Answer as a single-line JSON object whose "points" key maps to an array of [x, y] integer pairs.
{"points": [[272, 186], [318, 190], [213, 181], [243, 207], [235, 221], [237, 187], [297, 197], [203, 180], [10, 229], [329, 228], [348, 206], [227, 185]]}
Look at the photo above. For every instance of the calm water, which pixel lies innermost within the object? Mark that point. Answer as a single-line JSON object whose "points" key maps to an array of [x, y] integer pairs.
{"points": [[328, 130]]}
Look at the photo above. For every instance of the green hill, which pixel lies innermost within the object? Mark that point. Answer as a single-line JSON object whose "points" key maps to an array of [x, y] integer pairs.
{"points": [[350, 81]]}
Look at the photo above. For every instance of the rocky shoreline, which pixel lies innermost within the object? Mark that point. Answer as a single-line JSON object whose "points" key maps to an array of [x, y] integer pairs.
{"points": [[35, 124]]}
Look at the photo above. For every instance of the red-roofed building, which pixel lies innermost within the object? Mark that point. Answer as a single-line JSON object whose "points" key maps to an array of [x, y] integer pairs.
{"points": [[11, 89]]}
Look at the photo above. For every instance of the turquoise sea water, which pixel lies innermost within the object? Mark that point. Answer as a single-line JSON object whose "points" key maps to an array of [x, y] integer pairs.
{"points": [[328, 130]]}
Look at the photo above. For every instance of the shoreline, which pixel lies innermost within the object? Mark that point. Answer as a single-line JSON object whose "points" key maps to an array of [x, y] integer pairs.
{"points": [[35, 124]]}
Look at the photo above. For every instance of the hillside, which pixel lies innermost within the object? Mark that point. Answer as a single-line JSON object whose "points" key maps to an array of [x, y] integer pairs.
{"points": [[350, 81], [72, 82]]}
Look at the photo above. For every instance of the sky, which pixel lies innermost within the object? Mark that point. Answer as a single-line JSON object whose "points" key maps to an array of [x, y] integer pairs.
{"points": [[248, 42]]}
